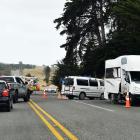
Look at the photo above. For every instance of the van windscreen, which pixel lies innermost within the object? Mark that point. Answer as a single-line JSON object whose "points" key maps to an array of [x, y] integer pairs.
{"points": [[135, 76], [68, 81]]}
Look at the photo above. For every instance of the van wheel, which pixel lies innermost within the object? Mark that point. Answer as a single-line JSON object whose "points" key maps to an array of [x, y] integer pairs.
{"points": [[9, 106], [82, 96], [102, 96], [113, 99]]}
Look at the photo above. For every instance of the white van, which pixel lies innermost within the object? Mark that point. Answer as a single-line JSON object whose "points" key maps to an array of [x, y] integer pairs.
{"points": [[81, 87]]}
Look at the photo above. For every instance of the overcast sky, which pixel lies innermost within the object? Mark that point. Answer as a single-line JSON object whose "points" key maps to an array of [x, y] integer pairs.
{"points": [[27, 31]]}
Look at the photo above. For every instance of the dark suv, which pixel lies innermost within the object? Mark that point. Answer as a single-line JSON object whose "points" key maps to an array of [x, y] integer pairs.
{"points": [[6, 96]]}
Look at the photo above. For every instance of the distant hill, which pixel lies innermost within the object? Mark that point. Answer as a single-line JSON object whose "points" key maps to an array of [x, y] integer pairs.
{"points": [[5, 69]]}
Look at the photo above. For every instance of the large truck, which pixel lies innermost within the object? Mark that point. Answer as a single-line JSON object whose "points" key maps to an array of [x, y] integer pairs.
{"points": [[122, 77]]}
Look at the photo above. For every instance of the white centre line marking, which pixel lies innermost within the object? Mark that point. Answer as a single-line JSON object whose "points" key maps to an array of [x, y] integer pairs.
{"points": [[106, 109]]}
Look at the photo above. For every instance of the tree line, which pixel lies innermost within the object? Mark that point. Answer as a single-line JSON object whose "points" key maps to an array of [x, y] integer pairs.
{"points": [[97, 30]]}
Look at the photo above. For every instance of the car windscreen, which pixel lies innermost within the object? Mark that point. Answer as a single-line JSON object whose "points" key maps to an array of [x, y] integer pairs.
{"points": [[2, 85], [7, 79], [68, 81], [135, 76]]}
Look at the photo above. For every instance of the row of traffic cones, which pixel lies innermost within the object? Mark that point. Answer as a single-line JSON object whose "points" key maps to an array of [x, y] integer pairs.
{"points": [[60, 96]]}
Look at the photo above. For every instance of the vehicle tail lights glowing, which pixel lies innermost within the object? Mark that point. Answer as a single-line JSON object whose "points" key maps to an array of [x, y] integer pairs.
{"points": [[5, 93]]}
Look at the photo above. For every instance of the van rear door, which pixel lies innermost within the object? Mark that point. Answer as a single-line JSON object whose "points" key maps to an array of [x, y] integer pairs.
{"points": [[68, 86]]}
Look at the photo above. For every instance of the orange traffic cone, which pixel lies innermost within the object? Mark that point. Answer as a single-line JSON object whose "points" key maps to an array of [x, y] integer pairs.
{"points": [[127, 102], [45, 94]]}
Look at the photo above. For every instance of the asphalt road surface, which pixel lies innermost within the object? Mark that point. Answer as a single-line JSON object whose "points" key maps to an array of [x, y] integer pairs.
{"points": [[49, 118]]}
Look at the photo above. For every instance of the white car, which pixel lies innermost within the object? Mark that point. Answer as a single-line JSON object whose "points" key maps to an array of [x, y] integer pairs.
{"points": [[51, 89]]}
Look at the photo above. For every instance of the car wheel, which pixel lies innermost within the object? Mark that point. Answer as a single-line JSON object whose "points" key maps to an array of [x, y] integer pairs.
{"points": [[9, 107], [12, 104], [26, 98], [82, 96], [29, 96], [15, 98]]}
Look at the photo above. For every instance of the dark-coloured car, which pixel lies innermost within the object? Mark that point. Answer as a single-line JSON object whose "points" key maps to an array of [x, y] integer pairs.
{"points": [[20, 88], [6, 96]]}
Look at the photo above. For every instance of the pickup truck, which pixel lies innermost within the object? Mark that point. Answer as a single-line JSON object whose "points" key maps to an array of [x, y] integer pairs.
{"points": [[20, 88]]}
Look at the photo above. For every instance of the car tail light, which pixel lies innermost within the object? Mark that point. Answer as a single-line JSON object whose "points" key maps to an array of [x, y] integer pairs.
{"points": [[5, 93]]}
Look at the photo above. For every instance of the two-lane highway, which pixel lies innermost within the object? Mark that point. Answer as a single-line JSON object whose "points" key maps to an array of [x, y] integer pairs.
{"points": [[51, 119], [22, 124], [40, 112]]}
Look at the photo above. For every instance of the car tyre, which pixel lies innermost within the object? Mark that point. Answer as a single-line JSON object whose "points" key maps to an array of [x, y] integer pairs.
{"points": [[15, 98], [9, 107], [26, 98]]}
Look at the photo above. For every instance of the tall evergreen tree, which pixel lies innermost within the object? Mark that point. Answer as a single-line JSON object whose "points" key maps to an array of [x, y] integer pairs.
{"points": [[47, 71], [126, 33], [84, 21]]}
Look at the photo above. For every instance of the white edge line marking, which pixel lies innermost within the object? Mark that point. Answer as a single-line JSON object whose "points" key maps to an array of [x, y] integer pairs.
{"points": [[95, 106]]}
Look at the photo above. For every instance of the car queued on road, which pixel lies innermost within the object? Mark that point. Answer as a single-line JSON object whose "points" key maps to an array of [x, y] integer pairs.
{"points": [[12, 88], [6, 96]]}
